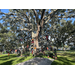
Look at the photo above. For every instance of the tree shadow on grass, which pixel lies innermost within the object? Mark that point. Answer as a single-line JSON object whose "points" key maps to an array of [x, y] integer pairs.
{"points": [[7, 57], [64, 61], [63, 54], [71, 55], [21, 59], [3, 57], [7, 62], [68, 54]]}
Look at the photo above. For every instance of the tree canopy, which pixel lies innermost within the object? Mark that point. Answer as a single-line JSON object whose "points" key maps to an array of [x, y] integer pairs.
{"points": [[53, 22]]}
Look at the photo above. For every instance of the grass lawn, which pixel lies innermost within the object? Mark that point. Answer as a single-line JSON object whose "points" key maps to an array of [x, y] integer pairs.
{"points": [[65, 58], [13, 59]]}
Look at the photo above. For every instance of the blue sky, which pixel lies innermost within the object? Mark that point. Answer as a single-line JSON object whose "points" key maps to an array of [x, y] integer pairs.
{"points": [[5, 10]]}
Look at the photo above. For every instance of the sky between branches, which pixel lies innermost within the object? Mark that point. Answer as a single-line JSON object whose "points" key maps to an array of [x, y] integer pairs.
{"points": [[7, 10]]}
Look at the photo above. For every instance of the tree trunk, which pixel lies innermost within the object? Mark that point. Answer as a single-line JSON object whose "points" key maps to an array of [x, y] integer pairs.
{"points": [[21, 52], [36, 43], [24, 50]]}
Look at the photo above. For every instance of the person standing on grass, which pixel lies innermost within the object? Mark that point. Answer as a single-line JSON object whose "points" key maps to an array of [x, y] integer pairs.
{"points": [[55, 53], [47, 48], [43, 51], [50, 48]]}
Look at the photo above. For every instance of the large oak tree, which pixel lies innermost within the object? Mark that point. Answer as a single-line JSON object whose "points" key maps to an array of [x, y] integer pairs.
{"points": [[36, 18]]}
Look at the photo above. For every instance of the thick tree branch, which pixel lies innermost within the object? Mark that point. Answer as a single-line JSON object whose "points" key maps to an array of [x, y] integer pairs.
{"points": [[53, 12], [17, 18], [42, 16], [26, 29], [51, 15], [41, 21], [24, 14], [36, 16], [27, 17], [64, 16], [9, 14], [1, 13]]}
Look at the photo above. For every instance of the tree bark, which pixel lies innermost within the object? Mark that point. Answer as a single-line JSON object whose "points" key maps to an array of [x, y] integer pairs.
{"points": [[21, 52], [38, 25], [36, 43]]}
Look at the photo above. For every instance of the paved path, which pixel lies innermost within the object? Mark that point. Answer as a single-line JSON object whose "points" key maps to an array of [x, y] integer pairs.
{"points": [[37, 61]]}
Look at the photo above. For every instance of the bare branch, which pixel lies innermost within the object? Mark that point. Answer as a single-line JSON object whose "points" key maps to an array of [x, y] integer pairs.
{"points": [[35, 15], [7, 13], [47, 19], [16, 15], [64, 16], [27, 17], [53, 12], [26, 29], [42, 16], [51, 15]]}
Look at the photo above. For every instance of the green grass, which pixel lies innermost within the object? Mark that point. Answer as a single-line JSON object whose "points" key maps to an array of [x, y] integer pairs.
{"points": [[65, 58], [13, 59]]}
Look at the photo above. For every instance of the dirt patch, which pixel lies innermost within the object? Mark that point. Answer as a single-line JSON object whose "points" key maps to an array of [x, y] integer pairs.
{"points": [[64, 54], [37, 61]]}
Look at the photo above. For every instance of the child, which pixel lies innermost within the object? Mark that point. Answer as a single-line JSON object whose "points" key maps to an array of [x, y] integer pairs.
{"points": [[50, 48]]}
